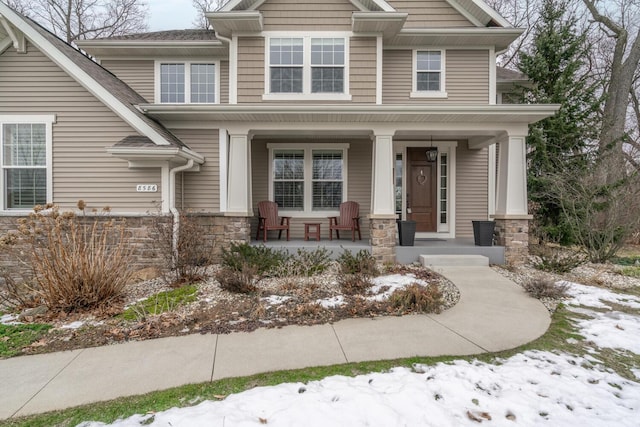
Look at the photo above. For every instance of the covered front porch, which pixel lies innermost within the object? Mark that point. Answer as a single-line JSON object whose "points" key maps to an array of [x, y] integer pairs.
{"points": [[404, 254]]}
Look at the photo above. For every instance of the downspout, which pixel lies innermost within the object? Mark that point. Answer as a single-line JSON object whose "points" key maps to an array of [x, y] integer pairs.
{"points": [[172, 205]]}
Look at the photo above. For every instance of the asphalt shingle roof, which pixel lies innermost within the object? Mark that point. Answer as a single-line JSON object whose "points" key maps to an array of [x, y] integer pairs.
{"points": [[172, 35], [125, 94]]}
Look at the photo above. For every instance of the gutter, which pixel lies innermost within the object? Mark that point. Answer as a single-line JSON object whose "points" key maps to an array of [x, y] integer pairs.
{"points": [[172, 205]]}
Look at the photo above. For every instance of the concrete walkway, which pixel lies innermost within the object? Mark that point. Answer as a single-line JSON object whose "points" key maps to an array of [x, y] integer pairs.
{"points": [[493, 314]]}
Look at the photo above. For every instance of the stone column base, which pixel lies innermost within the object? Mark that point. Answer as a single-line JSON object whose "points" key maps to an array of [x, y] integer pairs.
{"points": [[383, 239], [513, 234]]}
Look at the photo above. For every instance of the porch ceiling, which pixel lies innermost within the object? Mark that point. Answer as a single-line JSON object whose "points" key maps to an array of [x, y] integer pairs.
{"points": [[368, 115]]}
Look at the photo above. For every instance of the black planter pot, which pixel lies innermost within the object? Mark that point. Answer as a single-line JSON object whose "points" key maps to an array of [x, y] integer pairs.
{"points": [[483, 232], [406, 232]]}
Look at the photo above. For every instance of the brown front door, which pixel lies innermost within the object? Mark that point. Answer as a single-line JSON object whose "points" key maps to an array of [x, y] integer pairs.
{"points": [[422, 197]]}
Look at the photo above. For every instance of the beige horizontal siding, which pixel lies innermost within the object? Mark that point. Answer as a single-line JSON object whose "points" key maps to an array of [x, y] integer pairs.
{"points": [[430, 14], [472, 188], [466, 78], [138, 74], [359, 187], [201, 190], [224, 82], [250, 69], [307, 15], [32, 84], [362, 80]]}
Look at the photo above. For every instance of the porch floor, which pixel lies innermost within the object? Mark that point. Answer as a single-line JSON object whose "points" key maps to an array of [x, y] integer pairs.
{"points": [[404, 254]]}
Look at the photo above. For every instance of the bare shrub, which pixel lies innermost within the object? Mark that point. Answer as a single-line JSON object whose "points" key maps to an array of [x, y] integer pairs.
{"points": [[556, 259], [15, 293], [192, 251], [304, 263], [241, 282], [546, 288], [418, 298], [354, 284], [76, 262], [360, 263]]}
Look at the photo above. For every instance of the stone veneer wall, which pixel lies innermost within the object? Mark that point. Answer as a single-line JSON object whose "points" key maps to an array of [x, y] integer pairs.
{"points": [[221, 230], [383, 239], [513, 234]]}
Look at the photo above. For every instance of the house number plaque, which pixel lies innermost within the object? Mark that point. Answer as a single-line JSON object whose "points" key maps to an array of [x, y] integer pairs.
{"points": [[147, 188]]}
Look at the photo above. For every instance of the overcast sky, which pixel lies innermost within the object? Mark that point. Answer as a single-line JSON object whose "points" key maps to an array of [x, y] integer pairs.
{"points": [[171, 14]]}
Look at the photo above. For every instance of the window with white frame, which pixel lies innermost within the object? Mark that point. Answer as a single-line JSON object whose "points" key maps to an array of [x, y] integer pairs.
{"points": [[327, 65], [186, 82], [308, 179], [23, 165], [286, 56], [429, 73], [307, 65]]}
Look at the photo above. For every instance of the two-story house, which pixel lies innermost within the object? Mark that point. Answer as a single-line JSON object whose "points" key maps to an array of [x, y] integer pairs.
{"points": [[392, 104]]}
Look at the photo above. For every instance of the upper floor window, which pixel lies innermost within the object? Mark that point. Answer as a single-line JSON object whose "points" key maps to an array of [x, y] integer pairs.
{"points": [[307, 67], [24, 164], [429, 74], [186, 82]]}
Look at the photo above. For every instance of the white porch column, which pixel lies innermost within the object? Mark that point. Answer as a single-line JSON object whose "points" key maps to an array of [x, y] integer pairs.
{"points": [[511, 199], [382, 192], [239, 178]]}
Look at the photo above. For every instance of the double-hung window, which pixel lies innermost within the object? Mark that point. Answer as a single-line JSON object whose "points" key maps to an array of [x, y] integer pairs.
{"points": [[429, 74], [307, 67], [287, 60], [24, 164], [327, 65], [309, 179], [186, 82]]}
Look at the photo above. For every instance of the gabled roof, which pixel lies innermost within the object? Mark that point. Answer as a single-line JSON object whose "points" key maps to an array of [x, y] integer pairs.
{"points": [[476, 11], [110, 90], [363, 5]]}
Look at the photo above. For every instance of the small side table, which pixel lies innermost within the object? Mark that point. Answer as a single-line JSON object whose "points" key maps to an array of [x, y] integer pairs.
{"points": [[315, 226]]}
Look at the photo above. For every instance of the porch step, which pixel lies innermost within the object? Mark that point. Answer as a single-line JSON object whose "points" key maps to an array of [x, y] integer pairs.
{"points": [[454, 260]]}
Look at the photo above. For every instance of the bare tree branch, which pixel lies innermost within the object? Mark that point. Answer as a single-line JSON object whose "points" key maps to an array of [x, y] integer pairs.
{"points": [[81, 19], [202, 7]]}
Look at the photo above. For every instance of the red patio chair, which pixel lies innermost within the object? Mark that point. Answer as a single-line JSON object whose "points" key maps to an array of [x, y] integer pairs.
{"points": [[268, 220], [349, 219]]}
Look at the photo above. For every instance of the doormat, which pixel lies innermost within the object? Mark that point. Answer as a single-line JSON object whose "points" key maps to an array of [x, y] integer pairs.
{"points": [[431, 239]]}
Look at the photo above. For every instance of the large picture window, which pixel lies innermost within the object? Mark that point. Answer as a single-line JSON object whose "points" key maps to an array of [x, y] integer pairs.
{"points": [[186, 82], [23, 165], [308, 66], [310, 179]]}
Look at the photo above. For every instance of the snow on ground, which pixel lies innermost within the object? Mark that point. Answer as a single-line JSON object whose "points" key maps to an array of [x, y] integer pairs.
{"points": [[275, 299], [530, 388], [332, 302], [608, 329], [9, 319], [390, 283]]}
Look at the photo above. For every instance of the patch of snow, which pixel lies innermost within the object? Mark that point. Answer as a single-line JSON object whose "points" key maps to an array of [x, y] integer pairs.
{"points": [[73, 325], [592, 296], [612, 330], [275, 299], [636, 372], [527, 389], [332, 302], [392, 282], [9, 319]]}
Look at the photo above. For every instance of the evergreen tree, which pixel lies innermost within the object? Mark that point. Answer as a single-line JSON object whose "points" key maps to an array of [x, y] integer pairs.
{"points": [[557, 65]]}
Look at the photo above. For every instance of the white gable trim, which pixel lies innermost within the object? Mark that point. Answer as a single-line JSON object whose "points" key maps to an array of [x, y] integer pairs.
{"points": [[82, 77], [492, 13], [232, 4], [464, 12]]}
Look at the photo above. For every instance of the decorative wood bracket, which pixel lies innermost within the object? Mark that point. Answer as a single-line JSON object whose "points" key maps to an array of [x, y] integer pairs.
{"points": [[19, 41]]}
